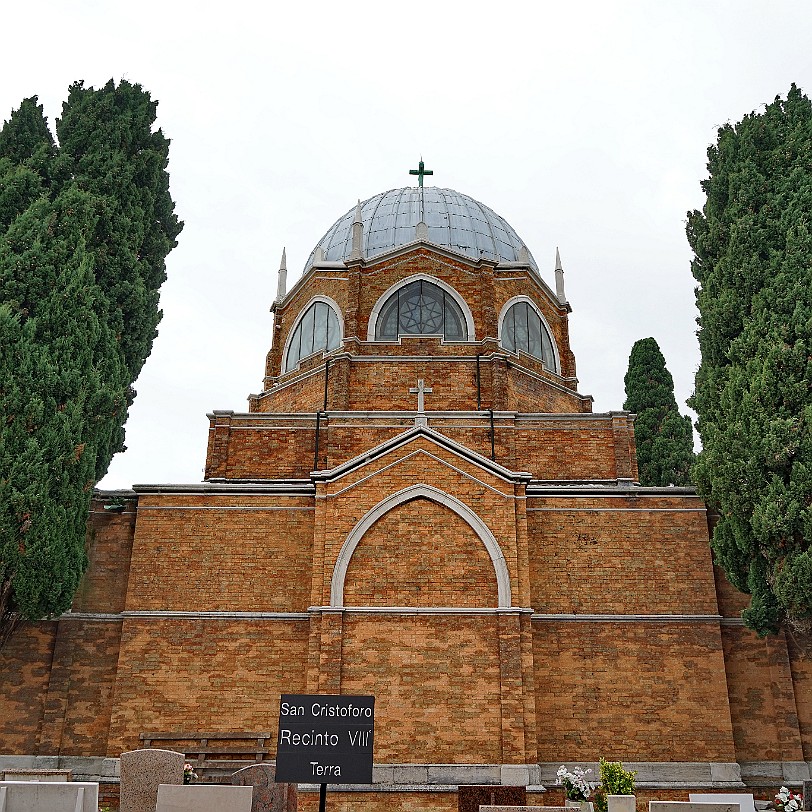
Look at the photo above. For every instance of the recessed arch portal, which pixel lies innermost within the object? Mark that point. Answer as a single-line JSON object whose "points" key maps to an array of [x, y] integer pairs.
{"points": [[435, 495]]}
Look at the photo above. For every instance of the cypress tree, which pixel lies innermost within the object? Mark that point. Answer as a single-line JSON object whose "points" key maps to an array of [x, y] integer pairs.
{"points": [[85, 227], [664, 437], [753, 261]]}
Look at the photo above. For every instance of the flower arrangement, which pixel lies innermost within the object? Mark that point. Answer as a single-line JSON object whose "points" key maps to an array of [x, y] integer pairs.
{"points": [[577, 787], [786, 801], [189, 773]]}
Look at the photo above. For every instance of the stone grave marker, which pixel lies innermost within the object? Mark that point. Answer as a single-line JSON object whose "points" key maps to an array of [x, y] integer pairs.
{"points": [[471, 796], [268, 796], [523, 808], [622, 803], [807, 791], [203, 798], [689, 806], [49, 796], [36, 775], [142, 771], [746, 802]]}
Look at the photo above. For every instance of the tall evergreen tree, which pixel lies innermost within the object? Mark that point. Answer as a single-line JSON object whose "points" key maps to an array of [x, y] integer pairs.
{"points": [[664, 438], [85, 228], [753, 261]]}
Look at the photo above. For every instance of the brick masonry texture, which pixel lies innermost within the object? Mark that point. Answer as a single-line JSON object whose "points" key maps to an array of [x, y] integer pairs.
{"points": [[25, 664], [396, 565], [436, 682], [198, 675], [202, 604], [189, 553], [79, 699], [581, 563], [765, 716], [247, 447], [647, 680]]}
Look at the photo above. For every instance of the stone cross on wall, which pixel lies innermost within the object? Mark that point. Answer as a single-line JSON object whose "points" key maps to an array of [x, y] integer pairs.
{"points": [[420, 390]]}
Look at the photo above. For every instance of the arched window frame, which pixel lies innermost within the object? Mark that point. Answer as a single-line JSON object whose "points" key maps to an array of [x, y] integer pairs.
{"points": [[466, 311], [518, 299], [336, 309]]}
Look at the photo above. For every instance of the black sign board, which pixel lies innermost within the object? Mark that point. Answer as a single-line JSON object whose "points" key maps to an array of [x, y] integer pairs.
{"points": [[325, 739]]}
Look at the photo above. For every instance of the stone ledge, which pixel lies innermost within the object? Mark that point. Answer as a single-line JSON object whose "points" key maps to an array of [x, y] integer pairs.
{"points": [[776, 771], [447, 777], [664, 774]]}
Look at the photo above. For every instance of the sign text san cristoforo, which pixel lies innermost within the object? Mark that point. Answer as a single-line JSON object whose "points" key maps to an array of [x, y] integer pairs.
{"points": [[325, 739]]}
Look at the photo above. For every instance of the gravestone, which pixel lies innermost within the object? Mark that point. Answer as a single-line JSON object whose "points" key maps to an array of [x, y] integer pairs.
{"points": [[268, 796], [688, 806], [523, 808], [807, 791], [141, 773], [746, 802], [471, 796], [49, 796], [203, 798], [622, 803], [36, 775]]}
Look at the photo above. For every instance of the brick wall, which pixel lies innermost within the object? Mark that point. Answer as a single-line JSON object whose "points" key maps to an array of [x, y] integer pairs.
{"points": [[193, 552], [80, 689], [762, 701], [341, 504], [247, 446], [25, 663], [800, 658], [194, 675], [631, 692], [338, 801], [109, 542], [623, 556], [365, 379], [396, 563], [436, 679]]}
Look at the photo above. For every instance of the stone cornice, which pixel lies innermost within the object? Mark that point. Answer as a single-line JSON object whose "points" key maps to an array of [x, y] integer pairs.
{"points": [[221, 487]]}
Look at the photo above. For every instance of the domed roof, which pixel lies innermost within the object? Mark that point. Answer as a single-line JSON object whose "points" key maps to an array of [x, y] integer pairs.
{"points": [[455, 221]]}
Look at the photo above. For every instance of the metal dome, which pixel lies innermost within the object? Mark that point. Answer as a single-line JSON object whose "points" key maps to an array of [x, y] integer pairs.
{"points": [[455, 221]]}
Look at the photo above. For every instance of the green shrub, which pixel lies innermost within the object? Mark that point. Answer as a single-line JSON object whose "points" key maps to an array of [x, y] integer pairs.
{"points": [[614, 781]]}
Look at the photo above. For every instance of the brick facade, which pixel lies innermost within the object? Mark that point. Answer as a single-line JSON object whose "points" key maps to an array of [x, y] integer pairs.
{"points": [[490, 570]]}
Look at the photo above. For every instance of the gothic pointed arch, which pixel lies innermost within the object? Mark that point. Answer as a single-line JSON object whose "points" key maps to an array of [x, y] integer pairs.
{"points": [[435, 495]]}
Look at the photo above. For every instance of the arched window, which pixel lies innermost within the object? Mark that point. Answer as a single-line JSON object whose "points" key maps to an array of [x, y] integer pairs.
{"points": [[421, 308], [318, 330], [523, 329]]}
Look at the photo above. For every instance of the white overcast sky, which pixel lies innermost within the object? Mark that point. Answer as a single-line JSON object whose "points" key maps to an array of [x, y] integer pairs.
{"points": [[584, 124]]}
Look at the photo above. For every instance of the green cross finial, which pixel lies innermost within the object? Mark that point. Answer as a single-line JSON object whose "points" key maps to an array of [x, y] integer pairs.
{"points": [[420, 171]]}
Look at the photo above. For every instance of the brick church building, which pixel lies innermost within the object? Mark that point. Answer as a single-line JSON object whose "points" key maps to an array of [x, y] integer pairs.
{"points": [[419, 505]]}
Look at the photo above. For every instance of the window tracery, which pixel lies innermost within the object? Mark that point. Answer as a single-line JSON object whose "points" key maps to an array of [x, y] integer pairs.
{"points": [[421, 308]]}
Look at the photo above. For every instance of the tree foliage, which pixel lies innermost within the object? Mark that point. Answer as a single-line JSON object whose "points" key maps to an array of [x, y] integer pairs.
{"points": [[753, 262], [664, 438], [85, 227]]}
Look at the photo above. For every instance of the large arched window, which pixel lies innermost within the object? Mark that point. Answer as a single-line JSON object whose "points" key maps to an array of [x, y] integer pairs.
{"points": [[421, 308], [319, 329], [524, 330]]}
